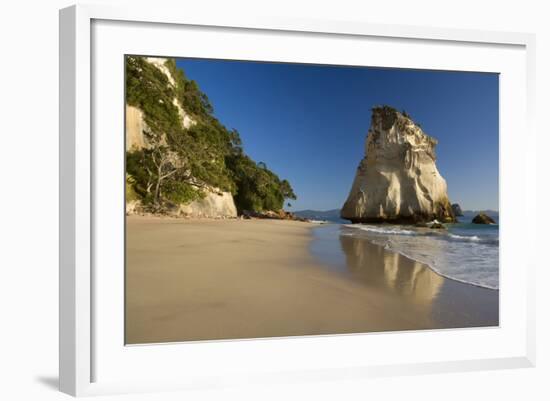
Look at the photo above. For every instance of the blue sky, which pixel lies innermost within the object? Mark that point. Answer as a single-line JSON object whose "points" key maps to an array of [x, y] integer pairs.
{"points": [[308, 123]]}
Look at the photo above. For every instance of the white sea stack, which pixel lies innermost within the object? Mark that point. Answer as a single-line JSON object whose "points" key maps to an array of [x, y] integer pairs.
{"points": [[397, 181]]}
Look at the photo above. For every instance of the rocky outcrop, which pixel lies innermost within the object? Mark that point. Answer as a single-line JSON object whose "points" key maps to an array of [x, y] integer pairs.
{"points": [[397, 181], [457, 210], [273, 215], [482, 218], [133, 206], [215, 203]]}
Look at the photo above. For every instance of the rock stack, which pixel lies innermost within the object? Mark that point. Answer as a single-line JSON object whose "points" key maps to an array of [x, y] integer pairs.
{"points": [[397, 181]]}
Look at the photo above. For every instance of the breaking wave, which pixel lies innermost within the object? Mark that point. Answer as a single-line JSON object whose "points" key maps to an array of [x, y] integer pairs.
{"points": [[464, 252]]}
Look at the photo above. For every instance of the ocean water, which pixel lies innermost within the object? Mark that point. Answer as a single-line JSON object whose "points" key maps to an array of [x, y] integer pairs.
{"points": [[464, 252]]}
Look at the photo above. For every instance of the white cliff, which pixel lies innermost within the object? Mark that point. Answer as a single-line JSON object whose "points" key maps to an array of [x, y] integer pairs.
{"points": [[397, 180], [135, 129], [215, 203], [135, 124]]}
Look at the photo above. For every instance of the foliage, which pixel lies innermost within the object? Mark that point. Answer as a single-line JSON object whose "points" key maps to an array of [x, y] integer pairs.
{"points": [[148, 88], [385, 109], [180, 164], [258, 188], [143, 166], [181, 192], [188, 93], [131, 194], [205, 151]]}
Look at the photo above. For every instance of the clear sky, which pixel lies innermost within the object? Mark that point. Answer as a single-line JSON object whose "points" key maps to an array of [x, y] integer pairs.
{"points": [[308, 123]]}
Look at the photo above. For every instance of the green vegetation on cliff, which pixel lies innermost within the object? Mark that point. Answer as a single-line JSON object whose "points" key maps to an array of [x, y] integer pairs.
{"points": [[180, 163], [258, 188]]}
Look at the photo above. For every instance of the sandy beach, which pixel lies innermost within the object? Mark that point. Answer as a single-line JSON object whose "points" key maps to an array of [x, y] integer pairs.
{"points": [[227, 279]]}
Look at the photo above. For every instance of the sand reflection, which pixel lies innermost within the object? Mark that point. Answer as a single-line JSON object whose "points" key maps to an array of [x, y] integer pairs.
{"points": [[388, 271]]}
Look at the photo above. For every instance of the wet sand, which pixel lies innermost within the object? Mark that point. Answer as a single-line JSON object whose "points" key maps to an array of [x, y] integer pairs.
{"points": [[227, 279], [448, 303]]}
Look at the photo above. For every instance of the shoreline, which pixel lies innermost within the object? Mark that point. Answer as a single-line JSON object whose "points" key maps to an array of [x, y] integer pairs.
{"points": [[433, 269], [456, 303], [397, 238], [212, 279], [446, 276]]}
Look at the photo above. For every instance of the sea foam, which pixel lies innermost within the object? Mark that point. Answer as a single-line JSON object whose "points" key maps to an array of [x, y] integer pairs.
{"points": [[464, 252]]}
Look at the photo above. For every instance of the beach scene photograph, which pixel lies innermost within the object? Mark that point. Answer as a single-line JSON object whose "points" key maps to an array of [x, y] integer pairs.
{"points": [[269, 199]]}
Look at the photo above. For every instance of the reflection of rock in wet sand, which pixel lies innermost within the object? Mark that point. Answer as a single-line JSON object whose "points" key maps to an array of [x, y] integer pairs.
{"points": [[389, 271], [442, 302]]}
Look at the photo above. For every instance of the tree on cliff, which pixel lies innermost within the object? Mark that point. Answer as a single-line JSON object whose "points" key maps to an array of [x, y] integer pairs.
{"points": [[180, 163], [258, 188]]}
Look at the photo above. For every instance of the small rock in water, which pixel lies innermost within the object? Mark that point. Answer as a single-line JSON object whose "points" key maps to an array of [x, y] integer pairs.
{"points": [[482, 218]]}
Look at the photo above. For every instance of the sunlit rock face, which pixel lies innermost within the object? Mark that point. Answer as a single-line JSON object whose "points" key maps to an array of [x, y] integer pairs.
{"points": [[135, 129], [397, 181], [215, 204]]}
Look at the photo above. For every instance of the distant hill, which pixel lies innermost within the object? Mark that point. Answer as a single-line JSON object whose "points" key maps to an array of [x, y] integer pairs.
{"points": [[328, 215]]}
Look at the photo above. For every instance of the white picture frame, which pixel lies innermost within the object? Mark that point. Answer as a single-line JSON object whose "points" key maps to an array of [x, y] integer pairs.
{"points": [[80, 314]]}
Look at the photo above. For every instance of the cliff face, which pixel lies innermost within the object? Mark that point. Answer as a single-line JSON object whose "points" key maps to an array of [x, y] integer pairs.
{"points": [[215, 203], [397, 180], [135, 123], [135, 129]]}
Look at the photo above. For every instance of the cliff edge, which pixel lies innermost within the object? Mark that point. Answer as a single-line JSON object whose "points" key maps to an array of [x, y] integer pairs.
{"points": [[214, 203]]}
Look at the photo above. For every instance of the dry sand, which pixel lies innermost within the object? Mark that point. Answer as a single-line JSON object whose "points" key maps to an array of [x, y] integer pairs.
{"points": [[227, 279]]}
